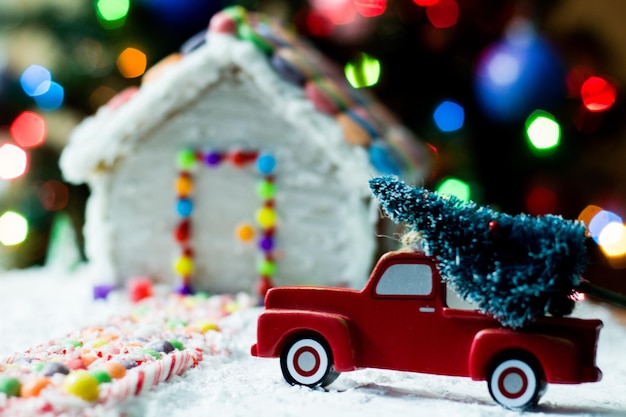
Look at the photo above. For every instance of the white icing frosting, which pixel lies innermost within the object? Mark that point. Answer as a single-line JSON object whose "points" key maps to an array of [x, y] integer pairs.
{"points": [[222, 96]]}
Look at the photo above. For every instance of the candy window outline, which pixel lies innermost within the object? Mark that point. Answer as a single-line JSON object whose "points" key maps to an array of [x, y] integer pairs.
{"points": [[187, 160]]}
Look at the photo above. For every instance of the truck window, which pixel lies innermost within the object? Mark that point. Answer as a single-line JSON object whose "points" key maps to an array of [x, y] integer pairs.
{"points": [[406, 279]]}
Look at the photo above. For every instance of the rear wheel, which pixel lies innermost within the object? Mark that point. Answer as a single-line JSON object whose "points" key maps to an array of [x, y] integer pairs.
{"points": [[308, 361], [516, 383]]}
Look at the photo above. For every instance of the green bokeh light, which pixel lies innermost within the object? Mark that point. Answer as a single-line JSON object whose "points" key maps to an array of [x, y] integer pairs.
{"points": [[112, 10], [455, 187], [543, 132], [365, 72]]}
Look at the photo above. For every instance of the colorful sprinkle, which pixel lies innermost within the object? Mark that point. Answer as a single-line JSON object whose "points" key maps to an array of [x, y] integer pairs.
{"points": [[10, 386], [81, 384], [186, 159], [184, 185], [266, 164], [267, 268], [245, 232], [266, 190], [51, 368], [115, 369], [184, 207], [101, 376], [266, 244], [266, 217], [33, 387], [177, 344], [184, 266]]}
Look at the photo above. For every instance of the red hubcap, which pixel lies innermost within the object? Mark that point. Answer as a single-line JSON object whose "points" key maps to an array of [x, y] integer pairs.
{"points": [[306, 361]]}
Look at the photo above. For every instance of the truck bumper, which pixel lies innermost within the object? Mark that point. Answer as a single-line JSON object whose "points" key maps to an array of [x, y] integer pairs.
{"points": [[593, 374]]}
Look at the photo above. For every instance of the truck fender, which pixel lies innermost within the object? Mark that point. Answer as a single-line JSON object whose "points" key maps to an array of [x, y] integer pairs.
{"points": [[288, 324], [558, 357]]}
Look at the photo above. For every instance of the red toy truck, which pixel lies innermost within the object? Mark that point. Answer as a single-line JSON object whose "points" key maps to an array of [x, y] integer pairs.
{"points": [[401, 321]]}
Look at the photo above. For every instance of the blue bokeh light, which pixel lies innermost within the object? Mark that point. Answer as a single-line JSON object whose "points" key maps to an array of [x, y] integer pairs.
{"points": [[51, 98], [34, 78], [600, 221], [518, 74], [449, 116]]}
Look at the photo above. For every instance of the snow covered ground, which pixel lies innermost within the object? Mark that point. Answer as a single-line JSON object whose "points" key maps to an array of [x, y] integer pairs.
{"points": [[43, 303]]}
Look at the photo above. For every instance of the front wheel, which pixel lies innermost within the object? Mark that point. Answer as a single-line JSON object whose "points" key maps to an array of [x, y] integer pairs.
{"points": [[516, 384], [308, 361]]}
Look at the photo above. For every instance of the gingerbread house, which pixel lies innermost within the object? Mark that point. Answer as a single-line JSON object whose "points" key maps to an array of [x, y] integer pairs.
{"points": [[242, 158]]}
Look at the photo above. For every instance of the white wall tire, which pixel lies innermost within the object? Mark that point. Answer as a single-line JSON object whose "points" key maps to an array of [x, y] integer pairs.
{"points": [[307, 362], [515, 384]]}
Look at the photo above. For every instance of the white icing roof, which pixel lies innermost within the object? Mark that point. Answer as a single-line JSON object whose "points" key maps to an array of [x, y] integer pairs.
{"points": [[110, 133]]}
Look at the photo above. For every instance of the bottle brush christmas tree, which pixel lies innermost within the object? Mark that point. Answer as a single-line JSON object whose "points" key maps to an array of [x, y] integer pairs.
{"points": [[515, 268]]}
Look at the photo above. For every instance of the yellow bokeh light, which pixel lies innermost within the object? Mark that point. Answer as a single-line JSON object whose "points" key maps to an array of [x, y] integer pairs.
{"points": [[132, 63], [612, 239], [13, 228]]}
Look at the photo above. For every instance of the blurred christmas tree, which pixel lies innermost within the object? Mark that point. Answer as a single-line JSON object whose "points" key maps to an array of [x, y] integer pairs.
{"points": [[520, 99]]}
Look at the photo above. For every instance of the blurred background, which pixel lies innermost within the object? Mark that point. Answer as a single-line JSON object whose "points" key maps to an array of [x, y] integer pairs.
{"points": [[521, 102]]}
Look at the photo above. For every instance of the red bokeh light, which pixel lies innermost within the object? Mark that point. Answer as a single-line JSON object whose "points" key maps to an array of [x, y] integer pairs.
{"points": [[29, 130], [425, 3], [597, 94], [338, 12], [318, 24], [370, 8], [443, 14], [53, 195], [541, 200]]}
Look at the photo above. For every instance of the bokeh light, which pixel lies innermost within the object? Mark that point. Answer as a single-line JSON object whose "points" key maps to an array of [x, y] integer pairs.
{"points": [[587, 214], [13, 228], [28, 129], [541, 200], [443, 14], [543, 132], [599, 221], [132, 63], [612, 239], [597, 94], [53, 195], [51, 97], [449, 116], [33, 78], [13, 161], [425, 3], [518, 74], [370, 8], [455, 187], [112, 13], [364, 72], [338, 12]]}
